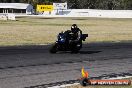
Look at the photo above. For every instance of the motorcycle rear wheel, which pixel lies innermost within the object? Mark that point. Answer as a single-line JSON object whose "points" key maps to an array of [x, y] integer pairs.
{"points": [[75, 50]]}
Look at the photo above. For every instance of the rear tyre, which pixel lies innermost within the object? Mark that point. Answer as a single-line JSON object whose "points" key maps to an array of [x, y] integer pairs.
{"points": [[74, 51]]}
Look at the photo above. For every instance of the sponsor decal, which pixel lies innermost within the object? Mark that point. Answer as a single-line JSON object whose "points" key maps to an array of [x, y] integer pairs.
{"points": [[85, 81], [60, 5], [42, 8]]}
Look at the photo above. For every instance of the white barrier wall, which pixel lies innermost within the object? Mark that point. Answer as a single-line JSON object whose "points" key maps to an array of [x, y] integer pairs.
{"points": [[5, 16], [87, 13], [11, 17], [95, 13]]}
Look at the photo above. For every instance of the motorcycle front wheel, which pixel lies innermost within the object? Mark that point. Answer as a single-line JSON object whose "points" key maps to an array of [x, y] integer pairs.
{"points": [[54, 48]]}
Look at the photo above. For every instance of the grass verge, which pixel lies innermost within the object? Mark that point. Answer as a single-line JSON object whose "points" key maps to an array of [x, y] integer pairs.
{"points": [[40, 31]]}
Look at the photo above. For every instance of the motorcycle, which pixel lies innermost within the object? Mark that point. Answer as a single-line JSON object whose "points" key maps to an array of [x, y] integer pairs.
{"points": [[62, 43]]}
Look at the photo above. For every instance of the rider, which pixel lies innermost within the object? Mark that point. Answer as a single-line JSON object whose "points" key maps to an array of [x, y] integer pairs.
{"points": [[76, 34]]}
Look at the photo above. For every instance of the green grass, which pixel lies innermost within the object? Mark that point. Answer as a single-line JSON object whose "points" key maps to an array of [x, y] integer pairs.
{"points": [[40, 31]]}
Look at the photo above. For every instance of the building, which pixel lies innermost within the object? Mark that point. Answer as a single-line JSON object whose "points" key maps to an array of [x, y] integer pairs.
{"points": [[17, 8]]}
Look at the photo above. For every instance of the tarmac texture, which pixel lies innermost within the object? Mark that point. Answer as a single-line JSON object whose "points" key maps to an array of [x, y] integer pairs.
{"points": [[28, 66]]}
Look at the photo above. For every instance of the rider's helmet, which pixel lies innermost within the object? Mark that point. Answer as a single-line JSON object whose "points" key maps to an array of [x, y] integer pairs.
{"points": [[74, 28]]}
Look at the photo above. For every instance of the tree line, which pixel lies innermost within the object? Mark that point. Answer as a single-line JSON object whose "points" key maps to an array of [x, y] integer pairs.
{"points": [[82, 4]]}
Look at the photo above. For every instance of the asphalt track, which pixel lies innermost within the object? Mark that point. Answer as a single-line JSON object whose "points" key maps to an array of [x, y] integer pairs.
{"points": [[26, 66]]}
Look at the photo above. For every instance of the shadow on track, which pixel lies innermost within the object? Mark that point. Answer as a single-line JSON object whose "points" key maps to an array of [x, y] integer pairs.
{"points": [[90, 48], [80, 52], [89, 52], [25, 49], [23, 56]]}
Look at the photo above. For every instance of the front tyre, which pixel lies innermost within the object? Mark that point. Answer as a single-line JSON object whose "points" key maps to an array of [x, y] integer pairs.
{"points": [[54, 48]]}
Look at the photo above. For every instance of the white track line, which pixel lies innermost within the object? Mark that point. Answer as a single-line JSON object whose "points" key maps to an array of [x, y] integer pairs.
{"points": [[66, 85], [122, 77]]}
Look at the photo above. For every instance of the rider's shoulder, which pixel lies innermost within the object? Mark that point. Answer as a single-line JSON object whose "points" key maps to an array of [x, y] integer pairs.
{"points": [[78, 29], [68, 31]]}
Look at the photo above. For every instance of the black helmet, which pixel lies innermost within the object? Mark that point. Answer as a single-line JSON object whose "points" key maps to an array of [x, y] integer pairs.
{"points": [[74, 28]]}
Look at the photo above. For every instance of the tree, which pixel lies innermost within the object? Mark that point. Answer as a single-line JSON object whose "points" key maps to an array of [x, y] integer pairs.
{"points": [[82, 4]]}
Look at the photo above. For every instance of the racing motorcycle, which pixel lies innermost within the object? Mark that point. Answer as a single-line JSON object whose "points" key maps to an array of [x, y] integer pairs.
{"points": [[62, 43]]}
